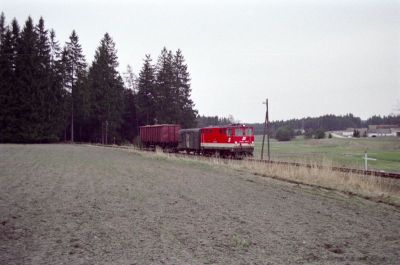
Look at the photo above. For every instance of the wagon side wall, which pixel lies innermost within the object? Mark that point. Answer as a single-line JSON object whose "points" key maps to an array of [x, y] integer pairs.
{"points": [[167, 134]]}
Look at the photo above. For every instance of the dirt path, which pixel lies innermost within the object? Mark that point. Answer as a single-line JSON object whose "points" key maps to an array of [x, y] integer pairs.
{"points": [[63, 204]]}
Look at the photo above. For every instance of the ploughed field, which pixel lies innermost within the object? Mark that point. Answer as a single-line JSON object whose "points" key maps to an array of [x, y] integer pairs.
{"points": [[72, 204]]}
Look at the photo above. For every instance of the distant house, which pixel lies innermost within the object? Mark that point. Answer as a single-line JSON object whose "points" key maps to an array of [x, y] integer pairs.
{"points": [[383, 130], [372, 131], [379, 132]]}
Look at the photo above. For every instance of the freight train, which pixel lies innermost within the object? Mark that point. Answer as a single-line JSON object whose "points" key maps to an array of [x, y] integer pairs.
{"points": [[229, 141]]}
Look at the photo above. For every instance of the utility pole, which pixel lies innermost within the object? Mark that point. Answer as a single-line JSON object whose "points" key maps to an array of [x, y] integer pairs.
{"points": [[269, 156], [72, 104], [266, 123]]}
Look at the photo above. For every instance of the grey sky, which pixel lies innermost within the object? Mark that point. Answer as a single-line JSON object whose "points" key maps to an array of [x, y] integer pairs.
{"points": [[308, 57]]}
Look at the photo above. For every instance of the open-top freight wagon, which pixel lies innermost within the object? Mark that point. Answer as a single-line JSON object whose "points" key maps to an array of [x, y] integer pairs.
{"points": [[163, 135], [234, 140]]}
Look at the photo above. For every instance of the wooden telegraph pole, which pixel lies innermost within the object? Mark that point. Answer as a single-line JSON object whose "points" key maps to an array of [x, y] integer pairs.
{"points": [[266, 124]]}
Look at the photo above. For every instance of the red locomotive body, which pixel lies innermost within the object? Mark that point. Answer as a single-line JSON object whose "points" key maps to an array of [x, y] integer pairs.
{"points": [[230, 140], [164, 135]]}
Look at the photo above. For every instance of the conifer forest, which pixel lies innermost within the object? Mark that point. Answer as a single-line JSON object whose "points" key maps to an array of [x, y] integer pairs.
{"points": [[49, 92]]}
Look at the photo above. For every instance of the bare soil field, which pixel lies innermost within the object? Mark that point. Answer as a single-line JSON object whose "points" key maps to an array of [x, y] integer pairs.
{"points": [[72, 204]]}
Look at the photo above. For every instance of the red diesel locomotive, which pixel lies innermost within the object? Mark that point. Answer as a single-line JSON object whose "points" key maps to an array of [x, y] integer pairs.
{"points": [[232, 140]]}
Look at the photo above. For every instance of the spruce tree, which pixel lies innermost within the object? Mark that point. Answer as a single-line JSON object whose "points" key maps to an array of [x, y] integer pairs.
{"points": [[9, 97], [44, 83], [182, 92], [55, 50], [6, 82], [56, 95], [166, 105], [26, 92], [74, 72], [146, 96], [106, 90], [129, 126]]}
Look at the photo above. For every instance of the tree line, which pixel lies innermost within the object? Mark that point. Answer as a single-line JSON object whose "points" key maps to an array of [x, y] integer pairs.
{"points": [[50, 93], [314, 127], [327, 123], [204, 121]]}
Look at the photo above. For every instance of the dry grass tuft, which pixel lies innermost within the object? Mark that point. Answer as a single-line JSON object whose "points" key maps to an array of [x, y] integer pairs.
{"points": [[377, 188]]}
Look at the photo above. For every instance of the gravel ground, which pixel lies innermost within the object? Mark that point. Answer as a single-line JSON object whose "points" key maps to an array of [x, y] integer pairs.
{"points": [[70, 204]]}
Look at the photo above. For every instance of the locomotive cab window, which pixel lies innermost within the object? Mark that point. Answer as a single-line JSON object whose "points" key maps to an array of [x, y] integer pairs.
{"points": [[249, 132], [229, 132], [238, 132]]}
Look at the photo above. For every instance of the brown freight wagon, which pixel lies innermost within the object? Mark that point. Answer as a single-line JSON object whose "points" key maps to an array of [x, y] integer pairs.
{"points": [[164, 135]]}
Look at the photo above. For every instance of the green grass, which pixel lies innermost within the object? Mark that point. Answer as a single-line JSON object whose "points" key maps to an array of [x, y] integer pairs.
{"points": [[347, 152]]}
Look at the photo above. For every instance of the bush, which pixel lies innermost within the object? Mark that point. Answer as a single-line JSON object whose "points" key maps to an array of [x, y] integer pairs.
{"points": [[284, 134], [330, 135], [319, 134], [356, 133]]}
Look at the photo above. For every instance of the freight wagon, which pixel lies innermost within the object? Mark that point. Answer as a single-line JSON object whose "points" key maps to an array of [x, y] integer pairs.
{"points": [[189, 140], [163, 135]]}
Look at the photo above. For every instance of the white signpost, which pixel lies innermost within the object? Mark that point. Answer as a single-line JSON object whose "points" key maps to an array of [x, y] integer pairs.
{"points": [[366, 160]]}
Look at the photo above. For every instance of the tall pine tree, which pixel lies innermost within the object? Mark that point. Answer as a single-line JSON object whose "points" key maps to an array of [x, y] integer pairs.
{"points": [[6, 80], [74, 76], [56, 94], [182, 92], [165, 94], [146, 97], [107, 91], [26, 92], [129, 126]]}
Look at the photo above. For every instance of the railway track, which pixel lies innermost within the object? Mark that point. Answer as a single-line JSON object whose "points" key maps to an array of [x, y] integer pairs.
{"points": [[375, 173]]}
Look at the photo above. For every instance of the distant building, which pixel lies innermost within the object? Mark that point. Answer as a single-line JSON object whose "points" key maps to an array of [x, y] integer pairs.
{"points": [[373, 131], [383, 130]]}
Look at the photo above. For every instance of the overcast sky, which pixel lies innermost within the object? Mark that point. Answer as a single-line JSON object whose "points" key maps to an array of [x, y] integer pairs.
{"points": [[308, 57]]}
